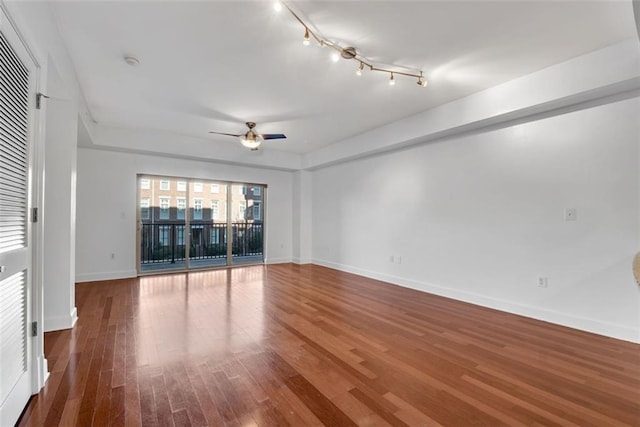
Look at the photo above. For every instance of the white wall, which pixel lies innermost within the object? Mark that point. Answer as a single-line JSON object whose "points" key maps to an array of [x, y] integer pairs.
{"points": [[106, 207], [302, 217], [59, 209], [480, 217]]}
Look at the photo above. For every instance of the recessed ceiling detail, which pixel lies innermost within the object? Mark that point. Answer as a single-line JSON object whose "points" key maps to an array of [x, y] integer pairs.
{"points": [[351, 52]]}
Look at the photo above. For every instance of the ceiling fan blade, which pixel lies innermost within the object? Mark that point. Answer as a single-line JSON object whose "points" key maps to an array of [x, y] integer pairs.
{"points": [[272, 136], [227, 134]]}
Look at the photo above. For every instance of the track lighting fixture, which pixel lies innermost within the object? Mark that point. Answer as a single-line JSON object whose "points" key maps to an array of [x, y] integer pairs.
{"points": [[277, 6], [421, 81], [350, 52], [305, 41]]}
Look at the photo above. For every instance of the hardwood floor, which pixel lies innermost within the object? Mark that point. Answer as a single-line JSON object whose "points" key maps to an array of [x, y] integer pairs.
{"points": [[306, 346]]}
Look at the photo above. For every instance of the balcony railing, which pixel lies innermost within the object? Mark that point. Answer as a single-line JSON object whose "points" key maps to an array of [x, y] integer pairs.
{"points": [[164, 242]]}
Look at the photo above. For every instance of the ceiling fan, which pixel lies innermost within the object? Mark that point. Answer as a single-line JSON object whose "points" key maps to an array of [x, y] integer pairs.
{"points": [[251, 139]]}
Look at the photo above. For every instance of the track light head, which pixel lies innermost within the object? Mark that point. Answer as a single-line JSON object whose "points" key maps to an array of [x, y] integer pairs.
{"points": [[360, 68], [307, 37], [392, 80], [277, 6]]}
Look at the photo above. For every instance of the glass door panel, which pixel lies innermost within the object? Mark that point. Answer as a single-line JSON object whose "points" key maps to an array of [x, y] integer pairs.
{"points": [[161, 216], [247, 230], [208, 224]]}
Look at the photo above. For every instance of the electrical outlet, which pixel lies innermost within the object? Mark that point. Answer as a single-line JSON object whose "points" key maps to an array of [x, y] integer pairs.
{"points": [[399, 259], [543, 282], [391, 259], [113, 256]]}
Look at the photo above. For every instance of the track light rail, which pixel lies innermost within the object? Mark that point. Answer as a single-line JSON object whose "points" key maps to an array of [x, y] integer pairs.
{"points": [[350, 52]]}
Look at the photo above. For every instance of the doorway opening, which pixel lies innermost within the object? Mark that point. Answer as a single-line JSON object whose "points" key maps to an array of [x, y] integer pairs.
{"points": [[186, 224]]}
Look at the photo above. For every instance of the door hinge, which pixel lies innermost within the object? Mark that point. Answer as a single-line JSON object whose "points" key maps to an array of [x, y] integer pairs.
{"points": [[34, 214], [34, 329], [39, 97]]}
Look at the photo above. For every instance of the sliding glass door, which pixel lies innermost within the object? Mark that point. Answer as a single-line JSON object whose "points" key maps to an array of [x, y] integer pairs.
{"points": [[189, 223], [247, 229], [207, 224]]}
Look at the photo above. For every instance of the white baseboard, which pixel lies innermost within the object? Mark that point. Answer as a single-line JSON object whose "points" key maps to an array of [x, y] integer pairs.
{"points": [[585, 324], [278, 260], [41, 373], [301, 261], [110, 275], [60, 322]]}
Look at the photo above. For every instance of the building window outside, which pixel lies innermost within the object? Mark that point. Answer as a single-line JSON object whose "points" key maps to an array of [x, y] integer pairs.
{"points": [[197, 208], [215, 236], [257, 210], [197, 232], [144, 208], [257, 191], [182, 186], [145, 184], [214, 209], [180, 235], [163, 236], [215, 188], [165, 185], [164, 208], [181, 203], [242, 210], [242, 189], [197, 187]]}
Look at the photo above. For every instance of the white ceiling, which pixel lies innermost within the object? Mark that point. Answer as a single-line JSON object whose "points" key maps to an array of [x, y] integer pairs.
{"points": [[212, 65]]}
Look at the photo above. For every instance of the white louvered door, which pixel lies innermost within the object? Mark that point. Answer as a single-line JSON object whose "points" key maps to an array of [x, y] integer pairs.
{"points": [[17, 95]]}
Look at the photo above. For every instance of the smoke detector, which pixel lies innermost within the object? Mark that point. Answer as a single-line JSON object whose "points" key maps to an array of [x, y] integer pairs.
{"points": [[131, 60]]}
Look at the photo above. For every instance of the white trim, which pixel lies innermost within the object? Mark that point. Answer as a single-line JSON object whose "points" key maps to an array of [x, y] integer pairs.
{"points": [[563, 319], [41, 372], [297, 260], [277, 260], [108, 275], [61, 322]]}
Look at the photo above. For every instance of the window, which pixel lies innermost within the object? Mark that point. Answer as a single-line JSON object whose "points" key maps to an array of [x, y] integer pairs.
{"points": [[242, 210], [257, 207], [164, 208], [180, 235], [197, 208], [242, 189], [197, 232], [145, 184], [257, 191], [165, 185], [182, 186], [215, 188], [216, 233], [144, 208], [197, 187], [163, 235], [214, 209], [181, 203]]}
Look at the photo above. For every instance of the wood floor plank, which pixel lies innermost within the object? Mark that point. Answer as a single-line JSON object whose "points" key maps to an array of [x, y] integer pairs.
{"points": [[304, 345]]}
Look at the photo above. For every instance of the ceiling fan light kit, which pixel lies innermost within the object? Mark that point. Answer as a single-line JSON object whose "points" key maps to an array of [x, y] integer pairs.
{"points": [[349, 52], [251, 139]]}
